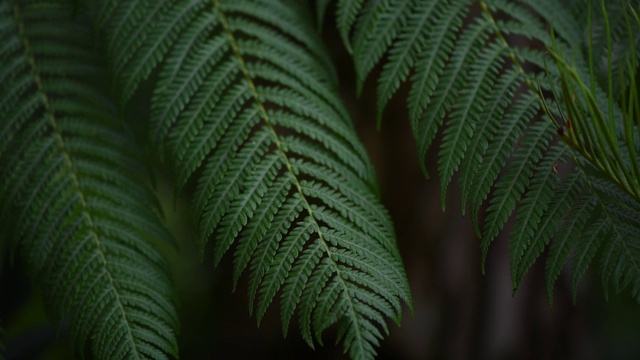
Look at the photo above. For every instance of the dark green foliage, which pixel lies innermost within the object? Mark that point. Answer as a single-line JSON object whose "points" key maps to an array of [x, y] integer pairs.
{"points": [[72, 189], [475, 69], [245, 107]]}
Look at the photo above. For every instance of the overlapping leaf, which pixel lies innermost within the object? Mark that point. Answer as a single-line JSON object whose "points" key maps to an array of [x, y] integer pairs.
{"points": [[245, 106], [474, 70], [73, 189]]}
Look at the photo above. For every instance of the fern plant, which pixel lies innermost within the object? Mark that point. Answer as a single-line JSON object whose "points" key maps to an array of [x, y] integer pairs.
{"points": [[245, 109], [72, 187], [244, 106], [476, 72]]}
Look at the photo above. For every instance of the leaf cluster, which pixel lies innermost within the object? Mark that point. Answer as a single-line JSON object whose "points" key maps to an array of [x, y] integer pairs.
{"points": [[481, 75], [244, 108], [533, 124]]}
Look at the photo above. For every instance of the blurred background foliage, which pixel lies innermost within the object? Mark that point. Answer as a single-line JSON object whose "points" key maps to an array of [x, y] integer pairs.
{"points": [[459, 313]]}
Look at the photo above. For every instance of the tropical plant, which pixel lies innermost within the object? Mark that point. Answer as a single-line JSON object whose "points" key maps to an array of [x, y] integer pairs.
{"points": [[277, 166], [73, 190], [478, 71], [245, 110]]}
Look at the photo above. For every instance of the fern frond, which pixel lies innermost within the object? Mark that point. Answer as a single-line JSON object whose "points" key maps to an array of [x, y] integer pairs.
{"points": [[535, 203], [74, 188], [515, 181], [346, 16], [404, 52], [549, 222], [492, 144], [245, 106], [477, 70], [375, 30], [568, 235]]}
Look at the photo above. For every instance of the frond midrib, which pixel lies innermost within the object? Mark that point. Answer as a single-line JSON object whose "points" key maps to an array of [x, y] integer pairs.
{"points": [[514, 58], [70, 169], [283, 154], [577, 163], [512, 54]]}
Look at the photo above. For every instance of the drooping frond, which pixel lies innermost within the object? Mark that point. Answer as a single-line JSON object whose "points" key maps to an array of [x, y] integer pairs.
{"points": [[73, 189], [602, 126], [479, 73], [246, 106]]}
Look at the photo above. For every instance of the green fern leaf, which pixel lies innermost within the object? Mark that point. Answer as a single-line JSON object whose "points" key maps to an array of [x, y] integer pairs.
{"points": [[430, 65], [514, 182], [403, 53], [492, 142], [477, 76], [559, 204], [374, 32], [245, 106], [463, 119], [619, 260], [346, 16], [586, 250], [566, 239], [533, 206], [74, 188]]}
